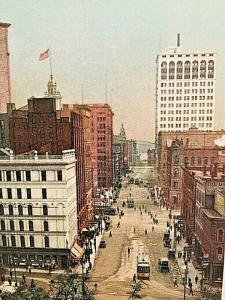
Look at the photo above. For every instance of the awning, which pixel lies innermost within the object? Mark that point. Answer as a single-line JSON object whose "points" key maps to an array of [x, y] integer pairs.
{"points": [[77, 251]]}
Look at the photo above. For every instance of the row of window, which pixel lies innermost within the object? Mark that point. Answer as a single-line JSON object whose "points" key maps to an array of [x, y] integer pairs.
{"points": [[188, 83], [21, 176], [187, 91], [187, 98], [21, 210], [19, 193], [171, 119], [193, 104], [6, 243], [21, 225], [195, 111], [186, 125]]}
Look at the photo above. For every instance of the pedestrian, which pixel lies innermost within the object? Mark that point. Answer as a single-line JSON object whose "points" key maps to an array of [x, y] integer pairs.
{"points": [[146, 232], [196, 279], [191, 290], [90, 265], [110, 234], [178, 238], [134, 278], [29, 269], [11, 274], [10, 281], [175, 282], [32, 285], [120, 215], [95, 286], [153, 228], [134, 229], [118, 224], [118, 210], [24, 278], [189, 281], [201, 283], [128, 251]]}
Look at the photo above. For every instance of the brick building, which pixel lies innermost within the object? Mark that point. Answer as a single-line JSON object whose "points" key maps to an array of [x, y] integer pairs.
{"points": [[101, 144], [151, 157], [4, 68], [40, 126]]}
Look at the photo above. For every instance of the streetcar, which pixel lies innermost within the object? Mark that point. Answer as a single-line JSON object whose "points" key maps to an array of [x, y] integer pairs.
{"points": [[143, 267]]}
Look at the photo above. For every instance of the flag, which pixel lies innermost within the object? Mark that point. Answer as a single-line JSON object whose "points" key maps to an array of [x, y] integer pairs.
{"points": [[44, 55]]}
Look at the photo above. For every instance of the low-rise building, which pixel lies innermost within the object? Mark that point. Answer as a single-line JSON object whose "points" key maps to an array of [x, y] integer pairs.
{"points": [[38, 209]]}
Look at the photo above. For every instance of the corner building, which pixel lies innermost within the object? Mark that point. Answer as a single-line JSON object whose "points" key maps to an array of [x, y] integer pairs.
{"points": [[38, 209]]}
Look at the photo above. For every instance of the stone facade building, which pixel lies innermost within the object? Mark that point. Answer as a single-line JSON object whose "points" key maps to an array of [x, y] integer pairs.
{"points": [[38, 210]]}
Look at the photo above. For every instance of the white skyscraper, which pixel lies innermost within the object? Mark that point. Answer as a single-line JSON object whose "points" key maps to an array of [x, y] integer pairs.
{"points": [[185, 90]]}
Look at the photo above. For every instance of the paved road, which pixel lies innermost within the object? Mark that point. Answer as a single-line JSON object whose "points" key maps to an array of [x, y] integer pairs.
{"points": [[113, 270]]}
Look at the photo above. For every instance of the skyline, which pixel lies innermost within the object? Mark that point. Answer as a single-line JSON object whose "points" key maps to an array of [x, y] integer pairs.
{"points": [[83, 51]]}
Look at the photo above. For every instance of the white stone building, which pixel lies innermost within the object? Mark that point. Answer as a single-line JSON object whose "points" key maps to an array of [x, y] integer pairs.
{"points": [[185, 90], [38, 209]]}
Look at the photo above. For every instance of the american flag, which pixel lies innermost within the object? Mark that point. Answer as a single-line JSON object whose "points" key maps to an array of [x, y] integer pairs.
{"points": [[44, 55]]}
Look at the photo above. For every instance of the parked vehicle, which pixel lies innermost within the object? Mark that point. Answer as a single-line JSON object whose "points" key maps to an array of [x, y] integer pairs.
{"points": [[143, 267], [131, 180], [163, 264], [171, 253], [130, 202], [166, 240], [136, 181]]}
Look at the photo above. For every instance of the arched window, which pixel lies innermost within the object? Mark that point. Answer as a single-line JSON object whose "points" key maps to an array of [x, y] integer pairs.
{"points": [[211, 69], [220, 235], [21, 225], [10, 210], [176, 172], [176, 159], [195, 69], [187, 69], [22, 241], [20, 210], [199, 161], [30, 210], [163, 70], [171, 69], [179, 70], [192, 160], [220, 250], [1, 210], [46, 226], [46, 241], [31, 226], [45, 210], [203, 69], [31, 241], [13, 241], [4, 242], [2, 225], [11, 225]]}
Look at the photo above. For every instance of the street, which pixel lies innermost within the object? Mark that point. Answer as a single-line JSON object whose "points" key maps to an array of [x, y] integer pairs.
{"points": [[113, 269]]}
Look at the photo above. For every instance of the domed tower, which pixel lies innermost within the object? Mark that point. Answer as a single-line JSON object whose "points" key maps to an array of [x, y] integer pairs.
{"points": [[53, 93]]}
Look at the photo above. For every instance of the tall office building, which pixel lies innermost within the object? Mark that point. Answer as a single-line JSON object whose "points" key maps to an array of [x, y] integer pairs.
{"points": [[4, 68], [185, 90]]}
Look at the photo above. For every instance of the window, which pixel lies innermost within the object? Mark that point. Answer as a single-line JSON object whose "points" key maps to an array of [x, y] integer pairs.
{"points": [[45, 210], [31, 226], [31, 241], [59, 175], [22, 241], [10, 210], [220, 236], [0, 175], [4, 243], [30, 210], [13, 241], [43, 176], [11, 225], [46, 226], [2, 225], [8, 176], [29, 194], [44, 194], [1, 194], [20, 210], [28, 176], [9, 193], [18, 175], [1, 210], [19, 194], [46, 241], [21, 225]]}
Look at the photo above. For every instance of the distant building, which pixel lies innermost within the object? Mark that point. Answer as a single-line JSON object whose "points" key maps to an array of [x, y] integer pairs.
{"points": [[5, 93], [151, 157], [117, 163], [133, 153], [101, 144], [38, 210]]}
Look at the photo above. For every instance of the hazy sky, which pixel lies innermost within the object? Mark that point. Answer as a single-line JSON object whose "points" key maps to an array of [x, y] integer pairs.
{"points": [[89, 38]]}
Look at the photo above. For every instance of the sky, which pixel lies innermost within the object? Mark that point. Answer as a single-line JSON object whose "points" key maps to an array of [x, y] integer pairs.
{"points": [[91, 40]]}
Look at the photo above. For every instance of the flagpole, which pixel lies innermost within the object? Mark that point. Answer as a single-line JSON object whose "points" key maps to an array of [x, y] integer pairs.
{"points": [[50, 60]]}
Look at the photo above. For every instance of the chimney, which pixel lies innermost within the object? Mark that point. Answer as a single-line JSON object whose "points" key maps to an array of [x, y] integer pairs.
{"points": [[178, 40]]}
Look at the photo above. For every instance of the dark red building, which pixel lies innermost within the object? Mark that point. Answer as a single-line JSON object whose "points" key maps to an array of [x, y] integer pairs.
{"points": [[102, 135]]}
